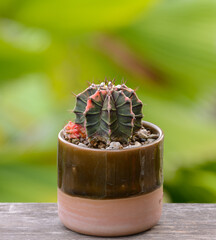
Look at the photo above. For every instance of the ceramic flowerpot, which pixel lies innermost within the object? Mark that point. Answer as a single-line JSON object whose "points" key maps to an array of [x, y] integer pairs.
{"points": [[110, 192]]}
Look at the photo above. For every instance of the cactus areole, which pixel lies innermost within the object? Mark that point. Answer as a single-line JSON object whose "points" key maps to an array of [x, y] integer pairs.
{"points": [[109, 112]]}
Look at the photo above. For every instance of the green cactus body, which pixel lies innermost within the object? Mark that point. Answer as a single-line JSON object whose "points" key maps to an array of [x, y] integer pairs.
{"points": [[109, 112], [81, 102], [136, 106]]}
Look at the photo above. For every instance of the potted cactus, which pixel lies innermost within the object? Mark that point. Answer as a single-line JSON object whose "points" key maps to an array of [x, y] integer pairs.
{"points": [[109, 164]]}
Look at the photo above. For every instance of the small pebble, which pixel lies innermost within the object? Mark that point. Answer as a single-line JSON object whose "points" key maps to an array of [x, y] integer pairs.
{"points": [[82, 145], [115, 145], [155, 136], [142, 133], [129, 146], [137, 144]]}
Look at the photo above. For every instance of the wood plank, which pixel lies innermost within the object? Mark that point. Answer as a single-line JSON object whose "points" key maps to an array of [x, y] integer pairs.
{"points": [[31, 221]]}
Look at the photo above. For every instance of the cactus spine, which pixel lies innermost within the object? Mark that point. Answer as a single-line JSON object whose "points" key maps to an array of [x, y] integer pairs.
{"points": [[109, 112]]}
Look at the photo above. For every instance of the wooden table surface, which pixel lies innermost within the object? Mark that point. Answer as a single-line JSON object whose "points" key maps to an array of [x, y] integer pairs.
{"points": [[31, 221]]}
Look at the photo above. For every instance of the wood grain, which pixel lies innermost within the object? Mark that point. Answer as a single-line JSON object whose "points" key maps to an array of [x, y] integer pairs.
{"points": [[31, 221]]}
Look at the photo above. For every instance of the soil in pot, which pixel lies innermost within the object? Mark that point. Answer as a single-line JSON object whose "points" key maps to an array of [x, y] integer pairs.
{"points": [[142, 137]]}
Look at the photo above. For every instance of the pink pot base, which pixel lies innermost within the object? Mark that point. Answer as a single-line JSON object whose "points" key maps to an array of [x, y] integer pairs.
{"points": [[111, 217]]}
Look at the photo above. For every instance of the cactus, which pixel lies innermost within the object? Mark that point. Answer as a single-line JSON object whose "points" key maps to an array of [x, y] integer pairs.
{"points": [[74, 131], [109, 112]]}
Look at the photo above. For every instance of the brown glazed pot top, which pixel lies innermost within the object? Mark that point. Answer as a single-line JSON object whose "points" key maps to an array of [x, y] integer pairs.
{"points": [[108, 174]]}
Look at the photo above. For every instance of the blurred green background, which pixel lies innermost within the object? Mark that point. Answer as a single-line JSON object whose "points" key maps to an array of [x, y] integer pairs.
{"points": [[49, 49]]}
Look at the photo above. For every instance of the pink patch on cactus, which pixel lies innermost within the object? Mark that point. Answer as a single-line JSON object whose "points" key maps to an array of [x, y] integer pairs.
{"points": [[104, 92], [89, 105], [97, 96], [74, 130]]}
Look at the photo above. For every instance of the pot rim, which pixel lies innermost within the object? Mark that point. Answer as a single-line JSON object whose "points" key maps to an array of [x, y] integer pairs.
{"points": [[148, 124]]}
